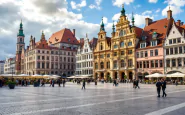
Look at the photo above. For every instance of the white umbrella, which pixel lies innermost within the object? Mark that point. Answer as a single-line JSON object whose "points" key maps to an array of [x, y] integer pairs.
{"points": [[156, 75], [177, 74], [55, 76], [23, 75], [36, 75]]}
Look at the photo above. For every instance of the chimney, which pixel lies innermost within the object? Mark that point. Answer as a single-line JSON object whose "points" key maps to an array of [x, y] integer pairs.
{"points": [[148, 21], [182, 23], [74, 32], [178, 22], [169, 14]]}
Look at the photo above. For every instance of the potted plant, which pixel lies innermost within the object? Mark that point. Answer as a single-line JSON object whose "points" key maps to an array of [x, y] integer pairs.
{"points": [[11, 84]]}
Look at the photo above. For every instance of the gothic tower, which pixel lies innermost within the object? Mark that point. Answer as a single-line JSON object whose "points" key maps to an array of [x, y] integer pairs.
{"points": [[19, 47]]}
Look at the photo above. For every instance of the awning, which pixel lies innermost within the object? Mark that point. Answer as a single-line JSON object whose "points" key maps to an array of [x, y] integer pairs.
{"points": [[177, 74], [155, 75]]}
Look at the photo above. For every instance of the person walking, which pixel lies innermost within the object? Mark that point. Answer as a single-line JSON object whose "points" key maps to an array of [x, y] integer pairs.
{"points": [[83, 84], [114, 82], [53, 83], [137, 84], [176, 82], [134, 83], [164, 87], [158, 85], [59, 82], [1, 82], [50, 83]]}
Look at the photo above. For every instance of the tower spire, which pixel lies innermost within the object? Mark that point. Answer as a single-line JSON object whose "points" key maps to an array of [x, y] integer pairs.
{"points": [[113, 27], [123, 10], [133, 20], [21, 30], [102, 25]]}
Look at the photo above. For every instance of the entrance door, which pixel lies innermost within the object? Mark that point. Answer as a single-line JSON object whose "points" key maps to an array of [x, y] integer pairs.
{"points": [[122, 75], [102, 76]]}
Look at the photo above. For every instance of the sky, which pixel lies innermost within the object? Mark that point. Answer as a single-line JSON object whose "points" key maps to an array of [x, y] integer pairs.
{"points": [[85, 16]]}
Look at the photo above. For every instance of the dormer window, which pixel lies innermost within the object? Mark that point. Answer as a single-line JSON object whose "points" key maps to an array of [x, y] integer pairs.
{"points": [[154, 43], [154, 35], [142, 45]]}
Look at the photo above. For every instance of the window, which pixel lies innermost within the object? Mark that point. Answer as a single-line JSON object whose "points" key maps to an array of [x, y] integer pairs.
{"points": [[144, 64], [178, 40], [69, 39], [176, 50], [38, 57], [122, 44], [167, 51], [95, 57], [170, 41], [168, 63], [122, 33], [179, 61], [137, 54], [152, 64], [171, 50], [161, 63], [153, 43], [173, 63], [115, 64], [146, 53], [64, 58], [102, 56], [101, 47], [122, 52], [38, 64], [108, 55], [42, 57], [102, 65], [154, 35], [130, 63], [52, 52], [20, 39], [96, 65], [115, 53], [137, 64], [156, 52], [141, 54], [143, 38], [108, 65], [147, 64], [122, 63], [115, 46], [43, 65], [129, 43], [180, 50], [142, 45], [140, 64], [129, 51], [38, 51], [156, 63], [174, 41], [151, 53], [184, 61]]}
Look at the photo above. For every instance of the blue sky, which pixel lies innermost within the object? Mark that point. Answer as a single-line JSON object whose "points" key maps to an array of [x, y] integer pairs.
{"points": [[85, 16]]}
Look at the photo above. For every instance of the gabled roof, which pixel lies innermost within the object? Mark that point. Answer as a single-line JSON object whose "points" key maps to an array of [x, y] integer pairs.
{"points": [[63, 36]]}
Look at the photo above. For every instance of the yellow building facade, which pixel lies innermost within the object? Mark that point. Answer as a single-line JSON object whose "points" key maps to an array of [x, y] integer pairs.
{"points": [[115, 57]]}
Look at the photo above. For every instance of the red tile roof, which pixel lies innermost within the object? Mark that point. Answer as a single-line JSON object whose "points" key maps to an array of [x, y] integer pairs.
{"points": [[63, 36], [138, 32]]}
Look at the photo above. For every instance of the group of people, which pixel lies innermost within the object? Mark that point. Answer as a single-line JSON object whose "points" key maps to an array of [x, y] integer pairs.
{"points": [[161, 84], [58, 81]]}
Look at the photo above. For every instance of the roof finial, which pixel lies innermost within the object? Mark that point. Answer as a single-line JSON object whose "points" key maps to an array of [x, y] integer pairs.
{"points": [[122, 5]]}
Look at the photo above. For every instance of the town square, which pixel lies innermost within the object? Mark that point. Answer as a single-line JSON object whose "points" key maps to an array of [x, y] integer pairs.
{"points": [[82, 57]]}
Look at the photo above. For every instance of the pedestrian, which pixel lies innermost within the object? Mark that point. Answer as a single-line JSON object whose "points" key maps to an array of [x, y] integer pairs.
{"points": [[134, 83], [158, 85], [176, 82], [137, 84], [83, 84], [114, 82], [164, 87], [1, 82], [53, 83], [50, 83], [63, 82], [59, 82]]}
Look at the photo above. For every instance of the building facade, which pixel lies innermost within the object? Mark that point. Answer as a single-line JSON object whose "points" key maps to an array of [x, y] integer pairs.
{"points": [[2, 67], [55, 56], [174, 49], [149, 52], [9, 66], [114, 57], [84, 57]]}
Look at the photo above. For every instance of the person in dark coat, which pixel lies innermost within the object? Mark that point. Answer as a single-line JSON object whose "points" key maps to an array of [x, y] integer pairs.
{"points": [[134, 83], [59, 82], [1, 82], [158, 85], [53, 83], [83, 84], [137, 84], [164, 87]]}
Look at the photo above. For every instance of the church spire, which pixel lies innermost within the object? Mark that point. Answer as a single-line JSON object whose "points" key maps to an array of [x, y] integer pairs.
{"points": [[123, 11], [133, 20], [21, 30], [113, 27], [102, 25], [42, 36]]}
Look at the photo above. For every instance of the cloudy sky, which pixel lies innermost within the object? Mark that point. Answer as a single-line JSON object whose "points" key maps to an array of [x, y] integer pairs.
{"points": [[82, 15]]}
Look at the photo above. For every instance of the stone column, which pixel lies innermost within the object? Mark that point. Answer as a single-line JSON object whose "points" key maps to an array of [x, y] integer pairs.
{"points": [[176, 60]]}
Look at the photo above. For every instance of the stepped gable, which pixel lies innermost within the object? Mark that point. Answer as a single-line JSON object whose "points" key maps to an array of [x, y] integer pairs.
{"points": [[63, 36]]}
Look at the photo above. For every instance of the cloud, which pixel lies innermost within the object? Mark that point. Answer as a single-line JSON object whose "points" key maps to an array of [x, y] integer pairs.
{"points": [[158, 10], [96, 5], [175, 2], [152, 1], [146, 12], [36, 17], [120, 2], [78, 6], [137, 6], [176, 10]]}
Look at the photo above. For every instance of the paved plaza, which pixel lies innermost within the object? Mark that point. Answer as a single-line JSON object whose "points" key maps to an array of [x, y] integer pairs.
{"points": [[103, 99]]}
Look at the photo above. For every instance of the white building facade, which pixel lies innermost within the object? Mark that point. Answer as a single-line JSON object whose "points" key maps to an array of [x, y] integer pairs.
{"points": [[84, 58], [9, 66], [174, 49]]}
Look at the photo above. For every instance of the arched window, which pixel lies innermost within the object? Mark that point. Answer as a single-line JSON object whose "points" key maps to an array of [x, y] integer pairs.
{"points": [[102, 65], [20, 39], [101, 46], [96, 65], [122, 63], [101, 36], [122, 44]]}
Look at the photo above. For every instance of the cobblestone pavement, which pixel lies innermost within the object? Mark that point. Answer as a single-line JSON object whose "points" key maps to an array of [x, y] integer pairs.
{"points": [[103, 99]]}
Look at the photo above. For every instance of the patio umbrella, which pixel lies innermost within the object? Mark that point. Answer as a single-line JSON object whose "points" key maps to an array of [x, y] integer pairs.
{"points": [[177, 74], [155, 75]]}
